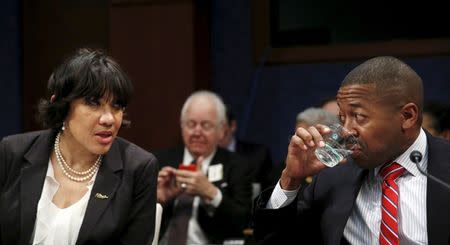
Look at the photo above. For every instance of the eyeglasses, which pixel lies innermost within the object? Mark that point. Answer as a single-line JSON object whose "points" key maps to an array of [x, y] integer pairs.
{"points": [[204, 125]]}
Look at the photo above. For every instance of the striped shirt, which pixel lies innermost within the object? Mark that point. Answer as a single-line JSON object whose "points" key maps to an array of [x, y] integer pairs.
{"points": [[363, 226]]}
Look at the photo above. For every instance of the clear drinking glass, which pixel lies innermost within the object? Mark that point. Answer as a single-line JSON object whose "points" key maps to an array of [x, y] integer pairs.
{"points": [[338, 145]]}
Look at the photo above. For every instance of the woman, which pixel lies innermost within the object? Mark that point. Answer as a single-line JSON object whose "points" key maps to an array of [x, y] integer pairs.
{"points": [[77, 182]]}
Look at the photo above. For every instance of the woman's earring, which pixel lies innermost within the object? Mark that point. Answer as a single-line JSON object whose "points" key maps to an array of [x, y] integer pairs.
{"points": [[63, 126]]}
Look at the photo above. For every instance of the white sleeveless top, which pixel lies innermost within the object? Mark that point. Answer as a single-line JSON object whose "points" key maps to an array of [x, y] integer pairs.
{"points": [[58, 225]]}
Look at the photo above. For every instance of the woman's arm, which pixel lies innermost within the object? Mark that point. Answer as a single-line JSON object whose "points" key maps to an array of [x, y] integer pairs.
{"points": [[141, 225]]}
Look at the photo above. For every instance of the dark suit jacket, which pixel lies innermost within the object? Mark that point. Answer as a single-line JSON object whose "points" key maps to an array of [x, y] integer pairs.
{"points": [[321, 212], [260, 161], [232, 215], [127, 176]]}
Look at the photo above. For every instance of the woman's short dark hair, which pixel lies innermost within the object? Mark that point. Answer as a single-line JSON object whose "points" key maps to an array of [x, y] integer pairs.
{"points": [[88, 74]]}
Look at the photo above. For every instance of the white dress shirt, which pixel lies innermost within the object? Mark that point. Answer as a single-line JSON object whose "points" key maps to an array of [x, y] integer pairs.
{"points": [[363, 225], [56, 225]]}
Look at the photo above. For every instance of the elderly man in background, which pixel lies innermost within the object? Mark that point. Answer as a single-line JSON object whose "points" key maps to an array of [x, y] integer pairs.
{"points": [[206, 198]]}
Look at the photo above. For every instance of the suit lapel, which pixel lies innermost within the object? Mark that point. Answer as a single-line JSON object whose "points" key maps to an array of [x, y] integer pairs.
{"points": [[438, 197], [344, 200], [32, 182], [105, 186]]}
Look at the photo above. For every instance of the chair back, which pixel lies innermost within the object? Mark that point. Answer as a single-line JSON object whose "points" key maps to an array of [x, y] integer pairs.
{"points": [[158, 217]]}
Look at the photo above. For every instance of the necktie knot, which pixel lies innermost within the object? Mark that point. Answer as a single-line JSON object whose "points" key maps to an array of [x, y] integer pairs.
{"points": [[391, 171]]}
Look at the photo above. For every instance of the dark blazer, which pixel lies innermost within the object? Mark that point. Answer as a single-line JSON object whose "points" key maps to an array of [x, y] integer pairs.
{"points": [[232, 215], [260, 161], [127, 175], [321, 211]]}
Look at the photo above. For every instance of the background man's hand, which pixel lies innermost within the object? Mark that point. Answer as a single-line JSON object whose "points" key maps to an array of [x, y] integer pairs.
{"points": [[196, 182], [167, 187]]}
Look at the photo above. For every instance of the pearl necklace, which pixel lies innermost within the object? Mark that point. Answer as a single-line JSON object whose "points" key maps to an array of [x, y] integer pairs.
{"points": [[67, 170]]}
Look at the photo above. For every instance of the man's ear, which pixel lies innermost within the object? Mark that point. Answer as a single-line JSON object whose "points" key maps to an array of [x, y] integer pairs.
{"points": [[52, 98], [410, 115], [221, 132], [233, 126]]}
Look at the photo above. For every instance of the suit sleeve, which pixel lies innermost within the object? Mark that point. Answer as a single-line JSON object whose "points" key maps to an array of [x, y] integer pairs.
{"points": [[296, 223], [5, 167], [2, 164], [2, 175], [233, 213], [141, 225]]}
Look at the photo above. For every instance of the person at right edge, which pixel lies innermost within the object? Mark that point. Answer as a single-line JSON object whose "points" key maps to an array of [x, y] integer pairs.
{"points": [[378, 196]]}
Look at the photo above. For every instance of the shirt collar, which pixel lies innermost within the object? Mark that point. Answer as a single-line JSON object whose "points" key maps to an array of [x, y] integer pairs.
{"points": [[50, 173], [187, 158]]}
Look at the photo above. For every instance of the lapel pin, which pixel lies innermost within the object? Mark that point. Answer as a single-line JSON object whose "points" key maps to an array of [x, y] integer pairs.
{"points": [[101, 196]]}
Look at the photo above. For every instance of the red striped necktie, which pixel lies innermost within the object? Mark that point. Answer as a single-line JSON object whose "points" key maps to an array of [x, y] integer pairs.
{"points": [[389, 203]]}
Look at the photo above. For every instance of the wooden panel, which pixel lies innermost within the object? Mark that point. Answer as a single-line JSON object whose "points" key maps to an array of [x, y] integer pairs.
{"points": [[334, 52], [146, 2], [162, 45], [52, 31], [155, 45], [345, 52]]}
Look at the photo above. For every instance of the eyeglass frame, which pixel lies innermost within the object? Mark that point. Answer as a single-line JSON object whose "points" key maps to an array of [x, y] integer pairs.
{"points": [[206, 126]]}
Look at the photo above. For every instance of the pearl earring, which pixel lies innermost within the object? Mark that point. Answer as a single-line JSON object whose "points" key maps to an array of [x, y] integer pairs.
{"points": [[63, 126]]}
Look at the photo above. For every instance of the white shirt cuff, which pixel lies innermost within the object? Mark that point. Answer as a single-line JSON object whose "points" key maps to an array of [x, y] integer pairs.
{"points": [[211, 206], [215, 202], [281, 198]]}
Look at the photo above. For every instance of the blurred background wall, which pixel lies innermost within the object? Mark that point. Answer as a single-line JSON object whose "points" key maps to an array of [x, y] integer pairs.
{"points": [[269, 86], [171, 48], [11, 68]]}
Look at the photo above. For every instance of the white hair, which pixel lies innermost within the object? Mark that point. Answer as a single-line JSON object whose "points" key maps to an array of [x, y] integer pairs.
{"points": [[313, 116], [216, 99]]}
